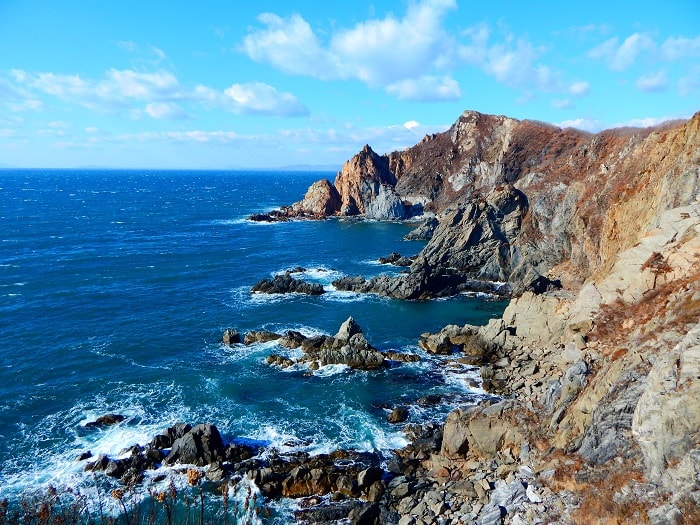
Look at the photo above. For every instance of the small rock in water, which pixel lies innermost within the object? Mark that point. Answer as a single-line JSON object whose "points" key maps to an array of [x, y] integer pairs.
{"points": [[398, 415], [231, 337], [106, 420]]}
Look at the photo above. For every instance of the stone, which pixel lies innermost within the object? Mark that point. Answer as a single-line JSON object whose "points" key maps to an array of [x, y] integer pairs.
{"points": [[398, 415], [105, 421], [201, 446], [436, 343], [423, 232], [260, 336], [285, 283], [348, 329], [231, 337]]}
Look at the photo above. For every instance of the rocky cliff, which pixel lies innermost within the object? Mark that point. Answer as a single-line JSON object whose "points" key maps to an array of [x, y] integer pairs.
{"points": [[597, 356], [521, 202]]}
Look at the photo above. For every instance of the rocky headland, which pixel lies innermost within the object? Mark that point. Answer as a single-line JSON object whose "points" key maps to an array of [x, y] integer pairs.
{"points": [[593, 368], [597, 356]]}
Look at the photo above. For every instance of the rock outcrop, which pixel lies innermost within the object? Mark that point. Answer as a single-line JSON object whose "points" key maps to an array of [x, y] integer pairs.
{"points": [[517, 201], [285, 283]]}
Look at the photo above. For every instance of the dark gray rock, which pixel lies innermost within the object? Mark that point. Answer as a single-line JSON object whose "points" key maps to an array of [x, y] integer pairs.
{"points": [[201, 446], [285, 283], [105, 421], [423, 232], [231, 337]]}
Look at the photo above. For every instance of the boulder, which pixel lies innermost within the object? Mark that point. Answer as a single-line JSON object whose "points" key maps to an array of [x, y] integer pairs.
{"points": [[260, 336], [231, 337], [105, 421], [285, 283], [355, 355], [348, 329], [321, 199], [436, 343], [201, 446], [480, 431], [398, 415]]}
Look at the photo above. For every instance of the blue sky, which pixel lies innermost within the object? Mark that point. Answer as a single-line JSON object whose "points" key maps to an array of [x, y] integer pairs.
{"points": [[218, 84]]}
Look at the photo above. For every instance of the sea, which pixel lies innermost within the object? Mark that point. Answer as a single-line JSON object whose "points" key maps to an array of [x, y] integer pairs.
{"points": [[116, 287]]}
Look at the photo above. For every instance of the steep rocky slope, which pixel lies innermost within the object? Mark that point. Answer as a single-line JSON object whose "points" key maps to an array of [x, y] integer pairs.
{"points": [[598, 353], [597, 356], [518, 201]]}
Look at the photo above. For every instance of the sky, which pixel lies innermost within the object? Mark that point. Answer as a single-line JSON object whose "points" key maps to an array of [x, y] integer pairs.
{"points": [[273, 83]]}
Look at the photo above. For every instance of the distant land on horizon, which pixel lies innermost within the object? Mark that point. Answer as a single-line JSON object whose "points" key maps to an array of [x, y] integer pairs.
{"points": [[295, 167]]}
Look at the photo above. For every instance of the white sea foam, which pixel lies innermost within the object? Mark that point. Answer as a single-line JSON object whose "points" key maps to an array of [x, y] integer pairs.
{"points": [[331, 370], [230, 222]]}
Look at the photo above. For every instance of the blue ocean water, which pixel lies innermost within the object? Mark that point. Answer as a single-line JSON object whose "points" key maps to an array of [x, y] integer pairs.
{"points": [[115, 288]]}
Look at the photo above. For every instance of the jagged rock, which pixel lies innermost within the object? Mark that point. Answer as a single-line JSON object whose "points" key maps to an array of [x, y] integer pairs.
{"points": [[201, 446], [436, 343], [105, 420], [358, 356], [278, 360], [505, 496], [171, 434], [424, 232], [479, 431], [260, 336], [398, 415], [285, 283], [361, 179], [321, 199], [668, 412], [401, 357], [231, 337], [395, 259], [348, 329]]}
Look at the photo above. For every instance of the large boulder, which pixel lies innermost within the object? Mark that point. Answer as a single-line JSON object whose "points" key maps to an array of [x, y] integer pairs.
{"points": [[285, 283], [201, 446], [479, 431], [321, 199], [348, 329]]}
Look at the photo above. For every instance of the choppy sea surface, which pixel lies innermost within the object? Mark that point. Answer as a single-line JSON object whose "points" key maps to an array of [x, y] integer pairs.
{"points": [[116, 286]]}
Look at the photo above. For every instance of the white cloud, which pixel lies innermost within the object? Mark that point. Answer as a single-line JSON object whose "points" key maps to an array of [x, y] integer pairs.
{"points": [[579, 89], [127, 45], [643, 122], [158, 94], [563, 103], [675, 48], [165, 110], [379, 52], [426, 89], [411, 124], [514, 62], [653, 82], [291, 46], [585, 124], [621, 56], [260, 98]]}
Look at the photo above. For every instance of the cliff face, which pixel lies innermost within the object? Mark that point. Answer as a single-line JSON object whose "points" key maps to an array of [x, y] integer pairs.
{"points": [[521, 201], [599, 350]]}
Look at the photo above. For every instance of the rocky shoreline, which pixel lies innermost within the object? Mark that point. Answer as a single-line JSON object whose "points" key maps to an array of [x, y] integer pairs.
{"points": [[594, 366]]}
